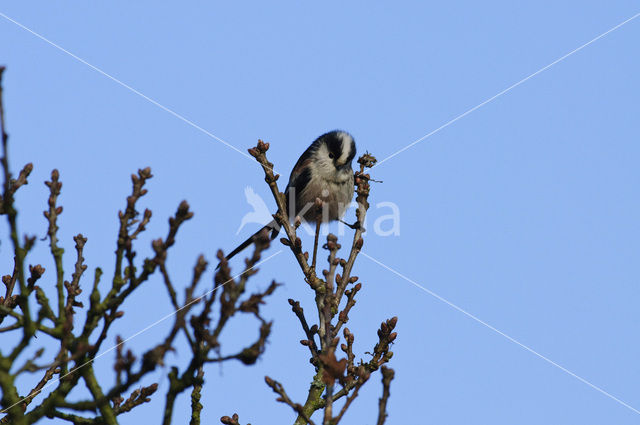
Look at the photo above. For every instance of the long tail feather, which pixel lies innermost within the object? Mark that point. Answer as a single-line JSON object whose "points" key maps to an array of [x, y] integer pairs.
{"points": [[272, 227]]}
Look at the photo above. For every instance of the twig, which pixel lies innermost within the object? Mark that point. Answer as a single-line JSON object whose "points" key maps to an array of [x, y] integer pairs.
{"points": [[310, 341], [52, 232], [362, 190], [234, 420], [284, 398], [136, 398], [387, 377], [350, 399]]}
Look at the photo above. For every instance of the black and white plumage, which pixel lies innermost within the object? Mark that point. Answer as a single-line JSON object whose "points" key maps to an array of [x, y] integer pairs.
{"points": [[323, 171]]}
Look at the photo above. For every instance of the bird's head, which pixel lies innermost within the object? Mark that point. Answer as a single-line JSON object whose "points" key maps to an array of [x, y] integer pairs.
{"points": [[333, 155]]}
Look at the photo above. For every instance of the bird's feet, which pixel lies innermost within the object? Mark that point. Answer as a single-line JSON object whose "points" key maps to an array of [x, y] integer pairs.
{"points": [[354, 226]]}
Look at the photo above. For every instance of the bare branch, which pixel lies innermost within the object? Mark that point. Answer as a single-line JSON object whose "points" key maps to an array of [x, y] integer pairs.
{"points": [[387, 377], [284, 398]]}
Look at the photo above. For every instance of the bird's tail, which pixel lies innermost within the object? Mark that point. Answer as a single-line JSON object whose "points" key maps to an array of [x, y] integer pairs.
{"points": [[272, 227]]}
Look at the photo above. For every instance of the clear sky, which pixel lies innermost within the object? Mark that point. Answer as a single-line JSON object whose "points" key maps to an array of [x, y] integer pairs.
{"points": [[524, 213]]}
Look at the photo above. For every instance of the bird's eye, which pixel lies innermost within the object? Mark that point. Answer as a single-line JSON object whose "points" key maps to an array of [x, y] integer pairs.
{"points": [[331, 155]]}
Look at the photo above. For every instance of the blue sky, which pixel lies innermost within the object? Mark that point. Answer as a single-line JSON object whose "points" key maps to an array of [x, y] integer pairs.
{"points": [[523, 213]]}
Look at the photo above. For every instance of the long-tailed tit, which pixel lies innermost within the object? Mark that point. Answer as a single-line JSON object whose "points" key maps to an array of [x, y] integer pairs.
{"points": [[323, 171]]}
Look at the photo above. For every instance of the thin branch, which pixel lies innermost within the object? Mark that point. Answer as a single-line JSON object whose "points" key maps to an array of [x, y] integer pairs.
{"points": [[196, 393], [362, 190], [387, 377], [284, 398], [309, 332]]}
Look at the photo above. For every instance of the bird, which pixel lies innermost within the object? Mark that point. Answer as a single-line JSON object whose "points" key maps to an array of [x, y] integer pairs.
{"points": [[323, 171]]}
